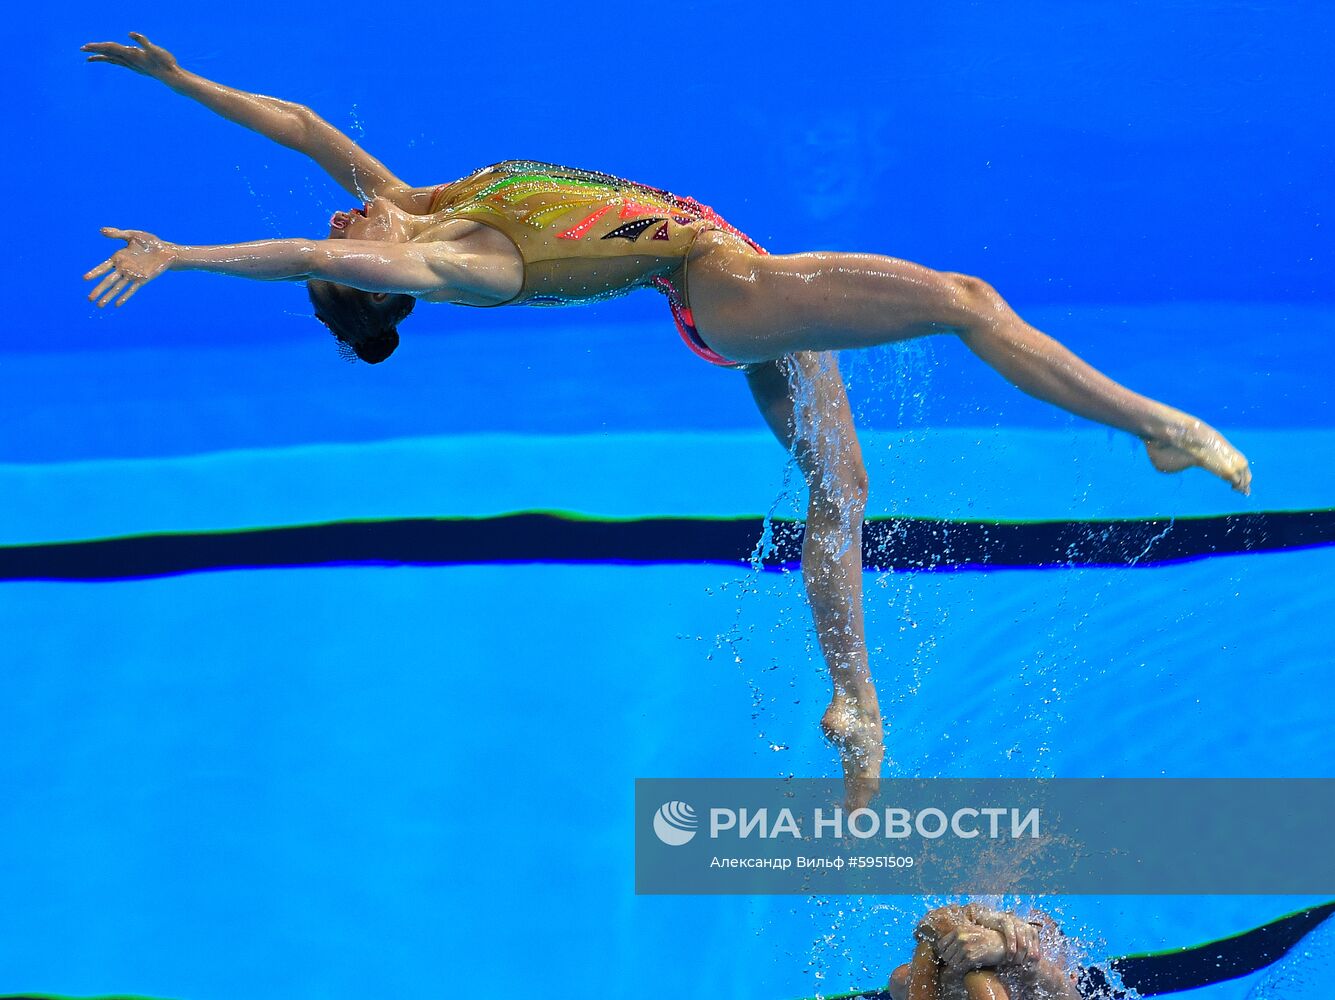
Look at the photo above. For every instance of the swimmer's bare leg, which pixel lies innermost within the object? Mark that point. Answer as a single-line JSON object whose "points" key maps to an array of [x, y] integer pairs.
{"points": [[802, 399], [751, 308]]}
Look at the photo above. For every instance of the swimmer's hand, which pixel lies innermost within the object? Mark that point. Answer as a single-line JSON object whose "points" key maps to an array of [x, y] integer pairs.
{"points": [[146, 58], [126, 271], [970, 947], [1020, 938]]}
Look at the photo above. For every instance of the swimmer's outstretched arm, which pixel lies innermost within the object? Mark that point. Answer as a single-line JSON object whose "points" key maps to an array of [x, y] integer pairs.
{"points": [[409, 268], [285, 122]]}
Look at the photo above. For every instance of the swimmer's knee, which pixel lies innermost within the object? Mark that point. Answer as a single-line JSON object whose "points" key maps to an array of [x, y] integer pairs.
{"points": [[859, 484], [838, 495], [970, 286], [974, 296]]}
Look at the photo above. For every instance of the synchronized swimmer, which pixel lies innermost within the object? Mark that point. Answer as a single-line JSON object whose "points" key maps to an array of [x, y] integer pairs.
{"points": [[975, 952], [523, 232]]}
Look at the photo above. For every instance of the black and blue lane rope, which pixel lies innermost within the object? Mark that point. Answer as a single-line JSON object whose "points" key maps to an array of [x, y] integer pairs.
{"points": [[899, 543]]}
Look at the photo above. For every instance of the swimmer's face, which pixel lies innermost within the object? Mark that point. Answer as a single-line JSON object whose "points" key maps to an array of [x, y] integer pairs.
{"points": [[379, 220]]}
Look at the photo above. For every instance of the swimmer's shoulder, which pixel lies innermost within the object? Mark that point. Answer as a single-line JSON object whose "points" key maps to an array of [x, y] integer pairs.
{"points": [[432, 198]]}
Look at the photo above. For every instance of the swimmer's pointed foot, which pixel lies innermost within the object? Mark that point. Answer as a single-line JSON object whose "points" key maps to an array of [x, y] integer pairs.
{"points": [[858, 735], [1192, 442]]}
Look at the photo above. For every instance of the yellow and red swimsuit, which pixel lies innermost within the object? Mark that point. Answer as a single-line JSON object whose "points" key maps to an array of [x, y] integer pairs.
{"points": [[586, 236]]}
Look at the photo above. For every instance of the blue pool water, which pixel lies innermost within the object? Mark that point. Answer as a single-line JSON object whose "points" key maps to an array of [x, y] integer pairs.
{"points": [[339, 780]]}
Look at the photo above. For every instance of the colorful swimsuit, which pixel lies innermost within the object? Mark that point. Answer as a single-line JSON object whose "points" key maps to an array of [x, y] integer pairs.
{"points": [[586, 236]]}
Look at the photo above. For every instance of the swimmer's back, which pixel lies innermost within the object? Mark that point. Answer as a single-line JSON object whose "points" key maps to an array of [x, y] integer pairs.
{"points": [[582, 235]]}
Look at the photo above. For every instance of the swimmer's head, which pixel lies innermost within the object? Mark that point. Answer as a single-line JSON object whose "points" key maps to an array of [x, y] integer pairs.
{"points": [[365, 323]]}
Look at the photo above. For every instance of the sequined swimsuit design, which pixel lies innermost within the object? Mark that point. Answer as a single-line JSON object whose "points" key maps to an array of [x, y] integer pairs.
{"points": [[586, 236]]}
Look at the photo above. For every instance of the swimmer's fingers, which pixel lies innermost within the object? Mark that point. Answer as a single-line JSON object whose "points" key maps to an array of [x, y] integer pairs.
{"points": [[142, 259], [134, 287], [1011, 936], [100, 269], [149, 47], [116, 289], [117, 283], [110, 263], [106, 283], [112, 52], [110, 59], [134, 238], [1033, 949], [948, 947], [144, 57]]}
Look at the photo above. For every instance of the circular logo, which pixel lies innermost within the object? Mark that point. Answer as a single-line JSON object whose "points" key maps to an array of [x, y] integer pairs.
{"points": [[675, 823]]}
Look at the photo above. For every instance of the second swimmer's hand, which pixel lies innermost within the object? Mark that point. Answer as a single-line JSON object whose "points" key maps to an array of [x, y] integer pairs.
{"points": [[145, 57], [1022, 945], [1021, 938], [142, 259], [970, 947]]}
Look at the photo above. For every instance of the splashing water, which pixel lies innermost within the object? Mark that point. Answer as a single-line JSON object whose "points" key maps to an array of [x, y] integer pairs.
{"points": [[356, 127], [262, 207], [908, 614]]}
